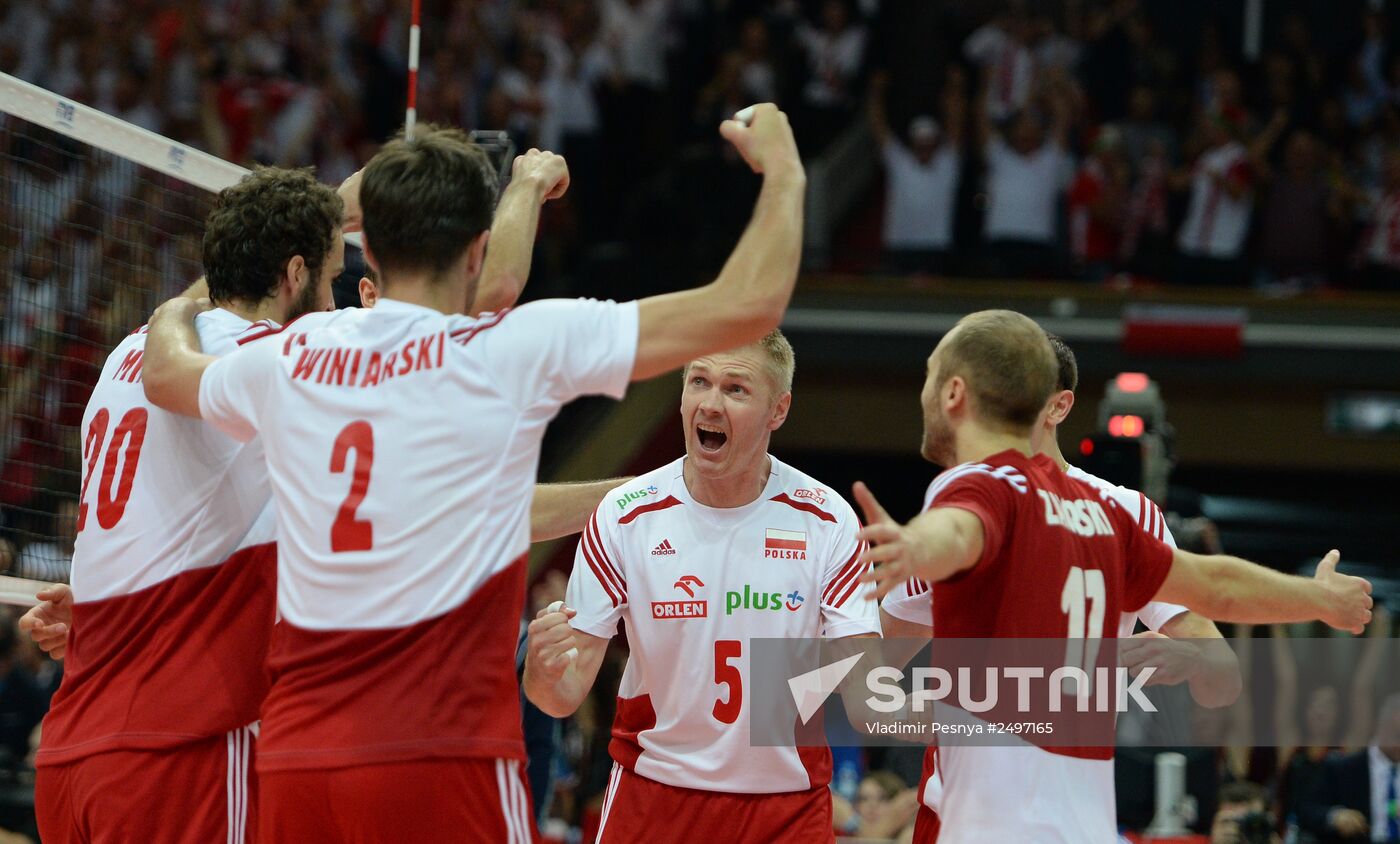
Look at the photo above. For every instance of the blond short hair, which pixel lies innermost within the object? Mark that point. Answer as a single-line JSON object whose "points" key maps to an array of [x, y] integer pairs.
{"points": [[782, 361], [779, 360]]}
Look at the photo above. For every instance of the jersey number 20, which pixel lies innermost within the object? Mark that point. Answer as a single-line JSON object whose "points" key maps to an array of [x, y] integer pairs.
{"points": [[125, 449]]}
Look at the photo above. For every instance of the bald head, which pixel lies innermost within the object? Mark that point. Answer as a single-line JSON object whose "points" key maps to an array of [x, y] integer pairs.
{"points": [[1007, 363]]}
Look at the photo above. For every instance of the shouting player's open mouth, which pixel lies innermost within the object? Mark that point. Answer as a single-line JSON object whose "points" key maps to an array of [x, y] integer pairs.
{"points": [[711, 438]]}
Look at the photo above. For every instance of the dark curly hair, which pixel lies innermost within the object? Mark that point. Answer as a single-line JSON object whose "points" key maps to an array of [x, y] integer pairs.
{"points": [[425, 200], [259, 224]]}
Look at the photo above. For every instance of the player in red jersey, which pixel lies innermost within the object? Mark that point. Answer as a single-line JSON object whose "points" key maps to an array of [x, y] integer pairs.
{"points": [[1016, 548], [148, 736], [402, 532], [1206, 664], [697, 558]]}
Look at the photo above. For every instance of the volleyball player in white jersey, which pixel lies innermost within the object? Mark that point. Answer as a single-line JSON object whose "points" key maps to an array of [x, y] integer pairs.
{"points": [[402, 444], [173, 570], [698, 557]]}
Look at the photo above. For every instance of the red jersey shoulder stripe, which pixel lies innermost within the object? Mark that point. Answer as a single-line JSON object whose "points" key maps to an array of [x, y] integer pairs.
{"points": [[784, 498], [609, 587], [463, 335], [668, 501], [593, 547], [850, 577], [848, 569], [591, 531]]}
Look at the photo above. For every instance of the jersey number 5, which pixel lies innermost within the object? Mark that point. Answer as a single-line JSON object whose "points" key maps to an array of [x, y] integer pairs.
{"points": [[727, 711], [125, 449], [349, 533]]}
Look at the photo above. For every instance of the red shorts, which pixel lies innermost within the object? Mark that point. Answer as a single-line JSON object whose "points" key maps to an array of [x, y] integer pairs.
{"points": [[442, 801], [638, 809], [925, 826], [193, 794]]}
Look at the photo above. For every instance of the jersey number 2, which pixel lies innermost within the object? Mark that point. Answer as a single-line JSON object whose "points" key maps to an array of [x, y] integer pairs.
{"points": [[349, 533], [727, 711], [125, 449]]}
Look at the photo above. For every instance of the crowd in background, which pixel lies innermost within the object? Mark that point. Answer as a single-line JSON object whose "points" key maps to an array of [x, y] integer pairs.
{"points": [[1103, 141]]}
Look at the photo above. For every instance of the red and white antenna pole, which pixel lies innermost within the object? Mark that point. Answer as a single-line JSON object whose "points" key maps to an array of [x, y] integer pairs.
{"points": [[411, 116]]}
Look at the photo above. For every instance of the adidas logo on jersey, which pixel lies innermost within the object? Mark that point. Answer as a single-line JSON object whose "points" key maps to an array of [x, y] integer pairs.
{"points": [[663, 549]]}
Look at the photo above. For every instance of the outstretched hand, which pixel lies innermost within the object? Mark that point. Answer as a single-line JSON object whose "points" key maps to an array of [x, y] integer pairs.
{"points": [[894, 550], [1349, 607]]}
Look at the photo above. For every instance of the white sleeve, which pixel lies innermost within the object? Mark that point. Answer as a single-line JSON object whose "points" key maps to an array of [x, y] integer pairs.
{"points": [[846, 606], [1157, 614], [912, 601], [233, 389], [597, 586], [555, 350]]}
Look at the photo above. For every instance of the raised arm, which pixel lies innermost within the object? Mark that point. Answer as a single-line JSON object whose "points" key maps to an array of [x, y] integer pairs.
{"points": [[563, 509], [1231, 589], [1363, 682], [561, 663], [536, 178], [198, 290], [173, 363], [749, 297]]}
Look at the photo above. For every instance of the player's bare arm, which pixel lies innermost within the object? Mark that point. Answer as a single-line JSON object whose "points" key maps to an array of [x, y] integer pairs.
{"points": [[536, 178], [1188, 649], [49, 621], [1231, 589], [198, 290], [934, 546], [752, 291], [173, 363], [563, 509], [561, 663], [903, 638]]}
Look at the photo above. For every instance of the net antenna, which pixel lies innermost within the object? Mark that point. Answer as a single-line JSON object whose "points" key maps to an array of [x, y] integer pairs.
{"points": [[410, 118]]}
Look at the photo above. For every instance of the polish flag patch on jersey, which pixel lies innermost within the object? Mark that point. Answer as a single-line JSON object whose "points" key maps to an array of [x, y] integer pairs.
{"points": [[785, 544]]}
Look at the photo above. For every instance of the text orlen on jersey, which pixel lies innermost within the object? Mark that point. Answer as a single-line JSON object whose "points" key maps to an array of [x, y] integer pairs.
{"points": [[748, 598]]}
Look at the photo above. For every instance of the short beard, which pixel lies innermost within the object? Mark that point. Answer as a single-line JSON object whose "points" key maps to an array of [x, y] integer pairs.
{"points": [[938, 445], [305, 302]]}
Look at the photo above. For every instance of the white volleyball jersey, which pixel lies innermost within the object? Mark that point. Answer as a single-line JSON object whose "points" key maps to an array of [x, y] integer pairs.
{"points": [[693, 584], [173, 569], [402, 446], [913, 602]]}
